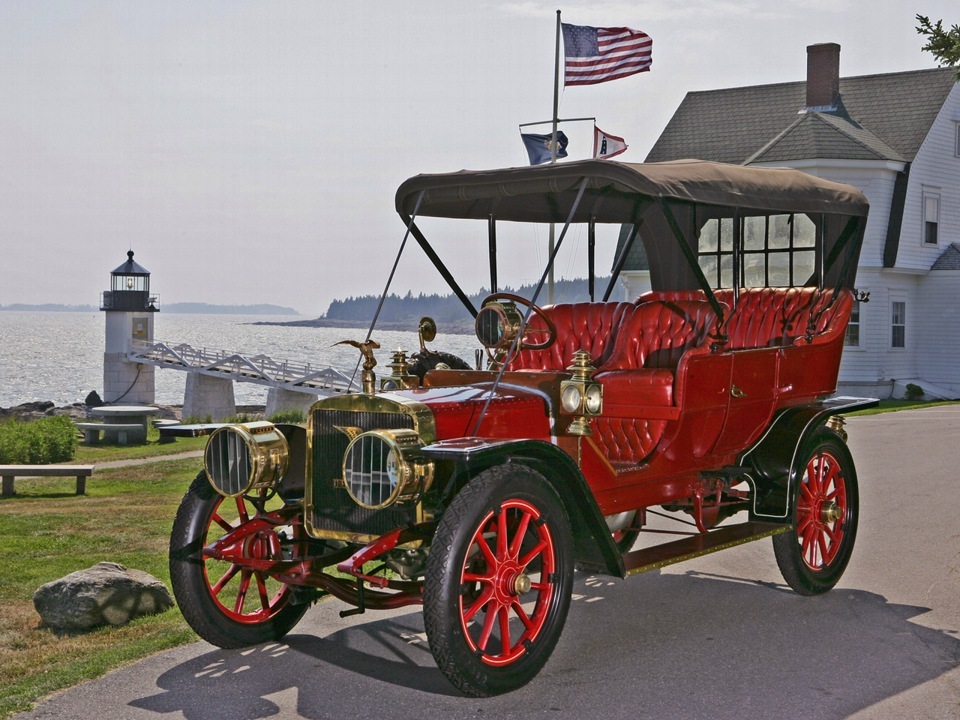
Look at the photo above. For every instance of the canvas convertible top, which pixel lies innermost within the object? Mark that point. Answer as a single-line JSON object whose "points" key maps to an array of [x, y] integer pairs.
{"points": [[617, 192]]}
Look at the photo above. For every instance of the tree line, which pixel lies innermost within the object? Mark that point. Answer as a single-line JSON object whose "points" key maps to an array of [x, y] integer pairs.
{"points": [[448, 308]]}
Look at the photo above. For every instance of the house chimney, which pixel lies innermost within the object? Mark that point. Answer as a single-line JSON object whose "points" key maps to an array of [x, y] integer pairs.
{"points": [[823, 74]]}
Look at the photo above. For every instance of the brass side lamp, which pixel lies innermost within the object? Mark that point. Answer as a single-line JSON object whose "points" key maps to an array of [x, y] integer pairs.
{"points": [[581, 395]]}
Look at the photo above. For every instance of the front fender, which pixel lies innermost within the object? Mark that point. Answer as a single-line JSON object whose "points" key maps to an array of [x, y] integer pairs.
{"points": [[773, 463], [594, 548]]}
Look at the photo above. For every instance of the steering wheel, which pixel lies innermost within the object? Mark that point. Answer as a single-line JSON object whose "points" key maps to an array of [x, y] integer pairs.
{"points": [[498, 324]]}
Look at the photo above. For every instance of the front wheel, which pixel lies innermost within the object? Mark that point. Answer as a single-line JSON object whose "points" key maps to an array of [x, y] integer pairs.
{"points": [[814, 553], [498, 581], [226, 604]]}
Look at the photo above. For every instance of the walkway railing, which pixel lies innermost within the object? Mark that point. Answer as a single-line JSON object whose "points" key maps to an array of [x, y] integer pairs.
{"points": [[260, 369]]}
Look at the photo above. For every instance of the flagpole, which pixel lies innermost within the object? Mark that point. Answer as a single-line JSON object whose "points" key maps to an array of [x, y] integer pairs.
{"points": [[553, 142], [556, 94]]}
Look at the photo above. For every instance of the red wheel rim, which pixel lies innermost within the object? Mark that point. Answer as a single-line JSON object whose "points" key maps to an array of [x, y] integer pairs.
{"points": [[245, 596], [821, 511], [507, 583]]}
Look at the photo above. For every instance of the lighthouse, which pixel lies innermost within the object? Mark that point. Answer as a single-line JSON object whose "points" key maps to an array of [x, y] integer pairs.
{"points": [[129, 309]]}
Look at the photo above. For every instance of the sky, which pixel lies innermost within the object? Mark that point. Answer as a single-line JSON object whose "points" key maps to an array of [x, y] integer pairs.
{"points": [[249, 152]]}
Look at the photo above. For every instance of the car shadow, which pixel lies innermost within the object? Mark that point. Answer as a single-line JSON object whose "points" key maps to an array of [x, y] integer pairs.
{"points": [[672, 645]]}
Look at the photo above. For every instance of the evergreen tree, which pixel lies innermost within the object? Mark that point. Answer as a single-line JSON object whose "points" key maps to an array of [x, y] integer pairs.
{"points": [[944, 45]]}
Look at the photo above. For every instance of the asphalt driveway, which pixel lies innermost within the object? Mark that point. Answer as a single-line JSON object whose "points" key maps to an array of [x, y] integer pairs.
{"points": [[719, 637]]}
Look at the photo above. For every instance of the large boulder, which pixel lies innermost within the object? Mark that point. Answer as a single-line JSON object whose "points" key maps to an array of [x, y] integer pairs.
{"points": [[105, 594]]}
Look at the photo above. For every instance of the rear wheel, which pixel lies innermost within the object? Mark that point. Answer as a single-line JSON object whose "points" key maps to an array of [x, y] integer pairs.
{"points": [[813, 555], [224, 603], [498, 581]]}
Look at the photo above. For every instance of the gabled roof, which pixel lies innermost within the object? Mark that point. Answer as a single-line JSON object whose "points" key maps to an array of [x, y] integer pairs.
{"points": [[949, 259], [824, 135], [881, 117]]}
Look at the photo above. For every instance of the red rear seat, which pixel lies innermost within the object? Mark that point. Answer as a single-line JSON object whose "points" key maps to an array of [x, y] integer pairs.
{"points": [[772, 317]]}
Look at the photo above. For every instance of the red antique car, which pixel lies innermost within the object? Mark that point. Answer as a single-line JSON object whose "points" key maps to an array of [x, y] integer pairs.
{"points": [[477, 492]]}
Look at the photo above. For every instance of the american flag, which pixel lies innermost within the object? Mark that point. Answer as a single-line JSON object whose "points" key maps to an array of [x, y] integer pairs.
{"points": [[595, 55]]}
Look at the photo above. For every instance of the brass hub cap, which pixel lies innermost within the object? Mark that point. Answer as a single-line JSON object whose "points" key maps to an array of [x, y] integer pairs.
{"points": [[830, 512], [522, 584]]}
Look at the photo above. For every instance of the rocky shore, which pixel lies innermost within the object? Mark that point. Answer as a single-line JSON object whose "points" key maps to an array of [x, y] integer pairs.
{"points": [[80, 411]]}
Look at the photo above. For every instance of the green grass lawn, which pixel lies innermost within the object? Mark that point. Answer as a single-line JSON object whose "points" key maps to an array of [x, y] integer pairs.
{"points": [[894, 405], [46, 532], [92, 454]]}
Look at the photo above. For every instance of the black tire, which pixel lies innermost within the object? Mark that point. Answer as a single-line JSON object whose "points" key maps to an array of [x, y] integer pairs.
{"points": [[425, 361], [200, 520], [625, 539], [813, 554], [517, 504]]}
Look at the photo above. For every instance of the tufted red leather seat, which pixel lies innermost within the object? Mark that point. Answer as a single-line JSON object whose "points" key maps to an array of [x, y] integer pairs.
{"points": [[590, 326], [638, 378], [774, 317], [829, 318], [659, 333]]}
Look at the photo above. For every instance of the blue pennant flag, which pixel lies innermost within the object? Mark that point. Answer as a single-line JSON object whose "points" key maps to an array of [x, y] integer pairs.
{"points": [[538, 146]]}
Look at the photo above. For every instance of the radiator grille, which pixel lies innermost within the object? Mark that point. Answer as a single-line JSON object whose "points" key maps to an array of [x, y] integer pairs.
{"points": [[333, 508]]}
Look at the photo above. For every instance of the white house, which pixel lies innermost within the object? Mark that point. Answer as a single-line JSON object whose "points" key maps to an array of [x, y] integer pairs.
{"points": [[897, 138]]}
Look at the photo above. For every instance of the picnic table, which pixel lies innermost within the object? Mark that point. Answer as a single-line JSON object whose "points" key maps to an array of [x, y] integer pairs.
{"points": [[120, 423]]}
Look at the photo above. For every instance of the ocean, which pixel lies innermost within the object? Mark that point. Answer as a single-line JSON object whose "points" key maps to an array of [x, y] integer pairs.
{"points": [[58, 356]]}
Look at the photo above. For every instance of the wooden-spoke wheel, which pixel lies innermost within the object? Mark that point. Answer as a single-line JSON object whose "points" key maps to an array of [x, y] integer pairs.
{"points": [[225, 603], [498, 581], [814, 554]]}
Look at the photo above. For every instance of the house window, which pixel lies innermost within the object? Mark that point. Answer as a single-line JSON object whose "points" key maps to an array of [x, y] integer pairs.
{"points": [[956, 149], [852, 337], [931, 219], [898, 324]]}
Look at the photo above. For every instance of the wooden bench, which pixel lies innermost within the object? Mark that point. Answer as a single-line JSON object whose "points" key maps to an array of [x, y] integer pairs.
{"points": [[161, 424], [120, 433], [9, 472]]}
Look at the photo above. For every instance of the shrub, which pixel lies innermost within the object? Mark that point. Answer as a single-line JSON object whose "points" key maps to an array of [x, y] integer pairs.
{"points": [[240, 418], [914, 392], [48, 440], [294, 417]]}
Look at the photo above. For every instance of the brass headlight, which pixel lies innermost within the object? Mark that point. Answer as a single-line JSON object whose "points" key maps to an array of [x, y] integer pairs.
{"points": [[497, 324], [383, 467], [241, 458]]}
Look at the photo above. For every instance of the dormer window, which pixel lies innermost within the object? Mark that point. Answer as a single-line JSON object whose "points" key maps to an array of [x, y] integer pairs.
{"points": [[931, 219]]}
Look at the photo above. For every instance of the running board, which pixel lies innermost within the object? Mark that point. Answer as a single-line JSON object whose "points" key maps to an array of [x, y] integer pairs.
{"points": [[694, 546]]}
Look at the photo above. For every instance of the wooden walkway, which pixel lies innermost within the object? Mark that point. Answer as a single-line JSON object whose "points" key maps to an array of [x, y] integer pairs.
{"points": [[259, 369]]}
